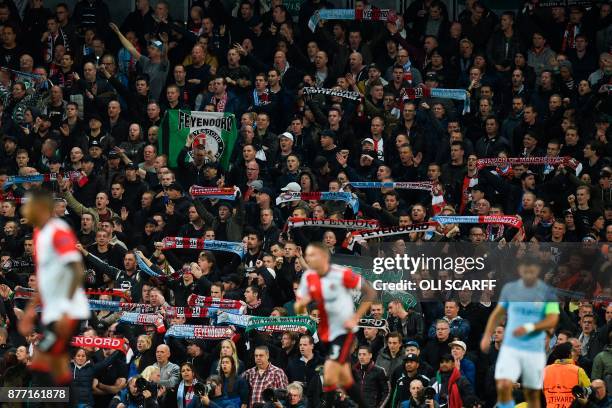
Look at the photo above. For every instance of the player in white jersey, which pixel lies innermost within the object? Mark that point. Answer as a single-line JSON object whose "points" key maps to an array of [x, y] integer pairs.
{"points": [[59, 271], [530, 313], [331, 286]]}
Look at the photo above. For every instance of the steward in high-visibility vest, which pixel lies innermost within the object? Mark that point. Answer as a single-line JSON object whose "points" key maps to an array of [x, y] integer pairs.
{"points": [[561, 377]]}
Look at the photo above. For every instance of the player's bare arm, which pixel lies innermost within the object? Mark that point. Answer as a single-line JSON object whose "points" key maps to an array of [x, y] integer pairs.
{"points": [[368, 296], [78, 275], [549, 322], [496, 316]]}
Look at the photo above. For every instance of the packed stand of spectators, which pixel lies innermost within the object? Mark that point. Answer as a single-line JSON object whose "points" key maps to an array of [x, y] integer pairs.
{"points": [[82, 94]]}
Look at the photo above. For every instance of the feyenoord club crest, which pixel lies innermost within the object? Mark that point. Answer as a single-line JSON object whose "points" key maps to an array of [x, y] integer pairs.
{"points": [[210, 141]]}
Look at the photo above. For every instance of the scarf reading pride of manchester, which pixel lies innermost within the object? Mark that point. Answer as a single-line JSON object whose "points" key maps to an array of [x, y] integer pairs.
{"points": [[191, 332], [370, 14], [502, 161], [40, 178], [296, 222], [237, 248], [288, 196], [387, 232], [404, 185], [511, 220], [423, 92], [214, 193], [209, 301], [99, 342], [311, 90]]}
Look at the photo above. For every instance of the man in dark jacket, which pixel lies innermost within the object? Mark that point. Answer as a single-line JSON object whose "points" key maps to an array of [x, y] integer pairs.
{"points": [[401, 379], [452, 388], [372, 379], [303, 368]]}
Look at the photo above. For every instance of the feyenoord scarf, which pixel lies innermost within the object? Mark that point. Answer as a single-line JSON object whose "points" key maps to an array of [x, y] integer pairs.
{"points": [[99, 342], [114, 293], [113, 306], [191, 332], [141, 318], [146, 269], [209, 301], [297, 222], [424, 92], [77, 176], [528, 161], [370, 14], [366, 322], [23, 293], [237, 248], [396, 185], [510, 220], [289, 196], [282, 323], [214, 193], [311, 90], [387, 232], [191, 312], [16, 200]]}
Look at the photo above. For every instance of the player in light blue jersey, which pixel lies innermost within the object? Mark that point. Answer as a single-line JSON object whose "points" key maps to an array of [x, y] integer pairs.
{"points": [[530, 311]]}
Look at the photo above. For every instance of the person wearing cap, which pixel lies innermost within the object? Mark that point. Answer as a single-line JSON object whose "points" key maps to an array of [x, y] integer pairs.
{"points": [[451, 387], [466, 366], [403, 376], [97, 133], [286, 142], [156, 65]]}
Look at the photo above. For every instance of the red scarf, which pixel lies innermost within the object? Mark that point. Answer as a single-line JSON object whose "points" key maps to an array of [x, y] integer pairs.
{"points": [[468, 183], [220, 102], [454, 397]]}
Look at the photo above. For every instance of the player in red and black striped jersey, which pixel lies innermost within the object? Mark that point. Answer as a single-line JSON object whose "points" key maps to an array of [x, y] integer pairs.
{"points": [[331, 287]]}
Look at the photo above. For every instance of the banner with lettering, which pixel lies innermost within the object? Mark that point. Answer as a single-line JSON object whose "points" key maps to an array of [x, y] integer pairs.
{"points": [[215, 132]]}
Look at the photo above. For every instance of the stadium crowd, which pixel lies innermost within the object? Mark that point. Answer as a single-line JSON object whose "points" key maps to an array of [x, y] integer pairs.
{"points": [[85, 97]]}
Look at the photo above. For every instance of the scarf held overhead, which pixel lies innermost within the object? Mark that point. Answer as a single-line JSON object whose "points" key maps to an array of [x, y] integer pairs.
{"points": [[296, 222], [191, 332], [311, 90], [114, 306], [370, 14], [403, 185], [504, 161], [387, 232], [237, 248], [99, 342], [209, 301], [273, 323], [75, 176], [423, 92], [214, 193], [510, 220], [348, 198]]}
